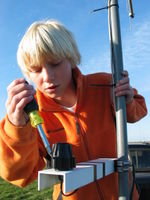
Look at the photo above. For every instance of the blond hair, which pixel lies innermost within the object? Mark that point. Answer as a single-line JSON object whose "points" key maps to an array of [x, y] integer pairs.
{"points": [[46, 40]]}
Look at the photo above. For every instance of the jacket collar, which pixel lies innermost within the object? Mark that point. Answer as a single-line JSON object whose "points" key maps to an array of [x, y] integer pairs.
{"points": [[48, 104]]}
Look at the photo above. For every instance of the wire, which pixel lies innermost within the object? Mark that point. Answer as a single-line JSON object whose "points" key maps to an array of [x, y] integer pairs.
{"points": [[103, 85], [106, 7], [61, 190], [132, 181]]}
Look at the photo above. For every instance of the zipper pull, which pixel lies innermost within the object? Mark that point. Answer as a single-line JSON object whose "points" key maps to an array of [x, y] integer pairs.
{"points": [[77, 124]]}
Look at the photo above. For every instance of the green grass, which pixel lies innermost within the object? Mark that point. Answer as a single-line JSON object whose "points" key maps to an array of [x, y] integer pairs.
{"points": [[11, 192]]}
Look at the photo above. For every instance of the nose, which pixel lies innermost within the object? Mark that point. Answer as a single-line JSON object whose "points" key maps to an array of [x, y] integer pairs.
{"points": [[48, 74]]}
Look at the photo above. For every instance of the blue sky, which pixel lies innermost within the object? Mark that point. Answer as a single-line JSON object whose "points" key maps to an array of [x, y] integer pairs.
{"points": [[91, 33]]}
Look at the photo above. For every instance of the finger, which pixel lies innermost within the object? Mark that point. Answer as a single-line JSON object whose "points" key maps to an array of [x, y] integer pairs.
{"points": [[15, 82], [13, 89], [123, 87], [17, 104], [123, 93], [22, 103], [19, 91], [120, 88], [15, 99], [123, 81], [125, 72]]}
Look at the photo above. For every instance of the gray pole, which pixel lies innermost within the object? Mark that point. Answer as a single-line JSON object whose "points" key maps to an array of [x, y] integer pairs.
{"points": [[120, 105]]}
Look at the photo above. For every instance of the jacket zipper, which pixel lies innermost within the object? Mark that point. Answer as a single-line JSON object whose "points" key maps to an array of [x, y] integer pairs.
{"points": [[80, 130], [77, 124]]}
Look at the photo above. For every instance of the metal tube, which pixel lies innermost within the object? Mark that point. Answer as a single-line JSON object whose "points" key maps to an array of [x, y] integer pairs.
{"points": [[131, 14], [120, 105], [44, 139]]}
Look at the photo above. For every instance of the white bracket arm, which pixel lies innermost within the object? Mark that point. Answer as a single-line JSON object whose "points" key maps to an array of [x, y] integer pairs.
{"points": [[83, 174]]}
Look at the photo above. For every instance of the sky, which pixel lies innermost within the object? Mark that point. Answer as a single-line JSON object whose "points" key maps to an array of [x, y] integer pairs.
{"points": [[91, 33]]}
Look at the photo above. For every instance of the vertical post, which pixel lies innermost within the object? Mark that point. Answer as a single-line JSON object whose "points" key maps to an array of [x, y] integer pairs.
{"points": [[120, 105]]}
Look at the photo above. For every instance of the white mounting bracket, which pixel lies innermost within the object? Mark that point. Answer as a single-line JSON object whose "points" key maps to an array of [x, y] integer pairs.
{"points": [[83, 174]]}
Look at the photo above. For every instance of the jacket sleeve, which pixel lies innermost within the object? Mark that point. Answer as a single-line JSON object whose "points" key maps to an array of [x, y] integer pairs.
{"points": [[20, 157], [136, 109]]}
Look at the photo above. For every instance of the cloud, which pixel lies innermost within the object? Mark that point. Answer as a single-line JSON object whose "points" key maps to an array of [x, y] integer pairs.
{"points": [[136, 59], [100, 62], [136, 46], [136, 55]]}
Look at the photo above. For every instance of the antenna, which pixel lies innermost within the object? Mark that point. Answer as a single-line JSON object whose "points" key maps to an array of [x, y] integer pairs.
{"points": [[120, 105], [122, 165], [131, 14]]}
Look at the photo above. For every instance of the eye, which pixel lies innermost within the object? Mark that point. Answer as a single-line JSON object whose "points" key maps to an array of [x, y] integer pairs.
{"points": [[56, 64], [35, 69]]}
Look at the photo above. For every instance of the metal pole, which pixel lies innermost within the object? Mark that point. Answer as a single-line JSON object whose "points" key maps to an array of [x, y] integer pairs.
{"points": [[120, 105]]}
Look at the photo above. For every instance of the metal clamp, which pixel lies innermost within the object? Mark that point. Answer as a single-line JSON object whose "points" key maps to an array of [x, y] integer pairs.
{"points": [[122, 165]]}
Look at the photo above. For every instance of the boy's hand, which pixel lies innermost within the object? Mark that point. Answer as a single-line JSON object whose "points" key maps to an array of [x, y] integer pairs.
{"points": [[123, 87], [19, 94]]}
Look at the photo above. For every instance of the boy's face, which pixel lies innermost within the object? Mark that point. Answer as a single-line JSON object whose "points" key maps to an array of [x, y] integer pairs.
{"points": [[54, 79]]}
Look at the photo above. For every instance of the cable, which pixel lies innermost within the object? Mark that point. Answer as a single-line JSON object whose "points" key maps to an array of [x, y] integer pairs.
{"points": [[61, 190], [106, 7], [132, 181]]}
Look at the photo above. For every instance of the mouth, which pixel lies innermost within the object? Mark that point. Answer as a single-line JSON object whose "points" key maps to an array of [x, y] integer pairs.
{"points": [[51, 88]]}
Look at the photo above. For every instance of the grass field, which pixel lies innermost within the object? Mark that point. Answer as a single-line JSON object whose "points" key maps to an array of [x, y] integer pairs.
{"points": [[11, 192]]}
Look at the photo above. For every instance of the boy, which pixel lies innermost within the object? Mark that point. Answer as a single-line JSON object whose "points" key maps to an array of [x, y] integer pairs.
{"points": [[76, 109]]}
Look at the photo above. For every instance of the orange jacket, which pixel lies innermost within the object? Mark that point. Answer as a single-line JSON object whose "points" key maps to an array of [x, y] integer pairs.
{"points": [[90, 130]]}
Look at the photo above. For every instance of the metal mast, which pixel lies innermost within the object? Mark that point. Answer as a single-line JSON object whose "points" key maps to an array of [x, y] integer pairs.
{"points": [[120, 105]]}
